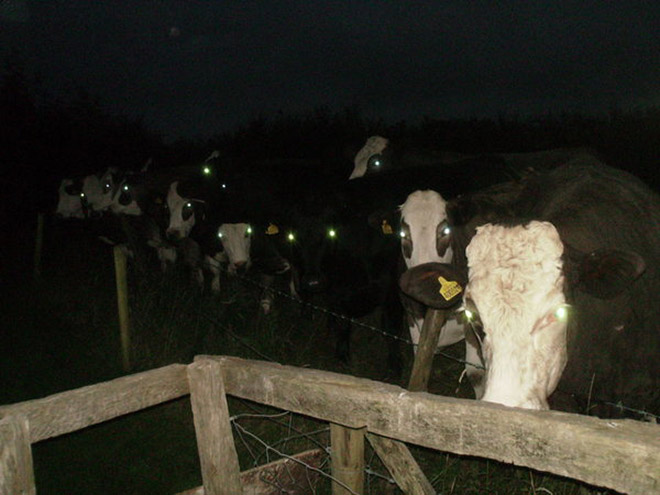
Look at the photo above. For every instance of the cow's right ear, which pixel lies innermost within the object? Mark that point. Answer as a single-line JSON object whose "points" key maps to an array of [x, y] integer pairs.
{"points": [[606, 273], [437, 285], [387, 221]]}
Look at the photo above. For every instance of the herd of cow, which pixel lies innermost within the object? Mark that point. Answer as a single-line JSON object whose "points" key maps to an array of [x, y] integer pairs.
{"points": [[546, 263]]}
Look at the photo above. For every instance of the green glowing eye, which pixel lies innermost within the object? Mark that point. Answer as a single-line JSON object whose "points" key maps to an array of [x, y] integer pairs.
{"points": [[220, 235], [249, 230], [291, 237], [469, 315], [446, 231], [125, 188], [402, 234], [207, 170], [332, 233], [188, 205], [561, 313], [82, 195]]}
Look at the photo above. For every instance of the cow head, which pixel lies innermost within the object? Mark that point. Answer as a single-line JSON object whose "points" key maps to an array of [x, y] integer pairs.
{"points": [[184, 213], [71, 201], [425, 233], [518, 277], [371, 158], [235, 239], [99, 189]]}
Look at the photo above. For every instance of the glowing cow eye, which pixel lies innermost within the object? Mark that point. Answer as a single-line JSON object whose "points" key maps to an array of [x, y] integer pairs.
{"points": [[220, 235], [375, 161], [561, 313], [206, 170], [469, 315], [291, 237], [224, 186], [125, 188], [446, 231], [248, 231], [106, 187], [82, 195], [402, 234], [332, 233]]}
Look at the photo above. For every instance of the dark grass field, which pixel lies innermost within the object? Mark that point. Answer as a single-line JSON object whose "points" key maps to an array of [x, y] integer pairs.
{"points": [[61, 332]]}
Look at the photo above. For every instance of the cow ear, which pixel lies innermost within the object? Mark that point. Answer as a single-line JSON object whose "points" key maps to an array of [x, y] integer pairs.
{"points": [[437, 285], [606, 273]]}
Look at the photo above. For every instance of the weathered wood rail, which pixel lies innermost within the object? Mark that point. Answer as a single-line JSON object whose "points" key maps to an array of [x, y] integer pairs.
{"points": [[620, 454]]}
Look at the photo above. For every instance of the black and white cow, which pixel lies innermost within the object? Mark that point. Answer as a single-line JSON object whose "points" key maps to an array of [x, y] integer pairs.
{"points": [[563, 287], [379, 154], [82, 197]]}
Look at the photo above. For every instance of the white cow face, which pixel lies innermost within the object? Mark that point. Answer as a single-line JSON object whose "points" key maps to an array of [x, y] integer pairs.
{"points": [[99, 190], [425, 235], [70, 200], [369, 157], [124, 200], [515, 289], [236, 239], [183, 213]]}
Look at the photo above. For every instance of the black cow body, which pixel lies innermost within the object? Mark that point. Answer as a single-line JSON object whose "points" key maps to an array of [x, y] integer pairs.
{"points": [[608, 222]]}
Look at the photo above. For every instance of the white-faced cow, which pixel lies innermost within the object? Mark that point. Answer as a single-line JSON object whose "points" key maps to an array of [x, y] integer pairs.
{"points": [[565, 288], [426, 238]]}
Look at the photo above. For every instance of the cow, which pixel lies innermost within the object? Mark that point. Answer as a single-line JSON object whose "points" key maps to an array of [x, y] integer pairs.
{"points": [[378, 154], [562, 288]]}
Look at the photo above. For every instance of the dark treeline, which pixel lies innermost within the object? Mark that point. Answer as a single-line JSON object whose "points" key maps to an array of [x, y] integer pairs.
{"points": [[44, 138]]}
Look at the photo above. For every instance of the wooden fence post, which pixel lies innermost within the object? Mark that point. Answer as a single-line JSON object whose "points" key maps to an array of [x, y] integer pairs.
{"points": [[38, 244], [16, 472], [215, 442], [347, 457], [122, 306], [428, 342], [395, 455]]}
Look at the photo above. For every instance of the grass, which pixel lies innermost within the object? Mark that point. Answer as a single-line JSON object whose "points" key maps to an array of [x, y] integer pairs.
{"points": [[61, 333]]}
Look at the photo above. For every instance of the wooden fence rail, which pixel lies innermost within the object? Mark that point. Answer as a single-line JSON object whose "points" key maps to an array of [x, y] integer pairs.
{"points": [[620, 454]]}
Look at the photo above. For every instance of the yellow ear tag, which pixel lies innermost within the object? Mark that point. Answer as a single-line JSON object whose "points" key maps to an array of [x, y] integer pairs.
{"points": [[272, 229], [449, 288], [386, 227]]}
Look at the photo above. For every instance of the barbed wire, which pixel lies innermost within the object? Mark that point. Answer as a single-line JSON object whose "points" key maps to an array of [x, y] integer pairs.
{"points": [[339, 316], [645, 415]]}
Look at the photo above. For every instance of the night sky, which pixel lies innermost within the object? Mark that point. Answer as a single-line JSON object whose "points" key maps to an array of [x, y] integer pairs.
{"points": [[194, 69]]}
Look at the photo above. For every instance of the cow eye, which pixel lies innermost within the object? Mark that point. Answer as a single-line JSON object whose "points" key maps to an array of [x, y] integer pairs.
{"points": [[106, 187], [332, 233], [125, 188], [248, 231], [443, 229], [375, 161], [187, 211], [470, 313], [561, 313], [220, 235], [206, 170], [291, 237]]}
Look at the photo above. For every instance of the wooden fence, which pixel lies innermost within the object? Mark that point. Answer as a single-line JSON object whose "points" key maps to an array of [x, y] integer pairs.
{"points": [[620, 454]]}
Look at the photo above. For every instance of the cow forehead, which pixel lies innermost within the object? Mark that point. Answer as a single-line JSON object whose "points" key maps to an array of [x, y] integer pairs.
{"points": [[515, 270], [173, 198], [422, 207]]}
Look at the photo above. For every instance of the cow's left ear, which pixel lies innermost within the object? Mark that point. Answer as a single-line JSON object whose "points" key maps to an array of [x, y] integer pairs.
{"points": [[386, 221], [606, 273]]}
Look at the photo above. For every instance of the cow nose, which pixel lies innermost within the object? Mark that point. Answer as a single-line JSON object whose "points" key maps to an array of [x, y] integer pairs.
{"points": [[313, 283]]}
